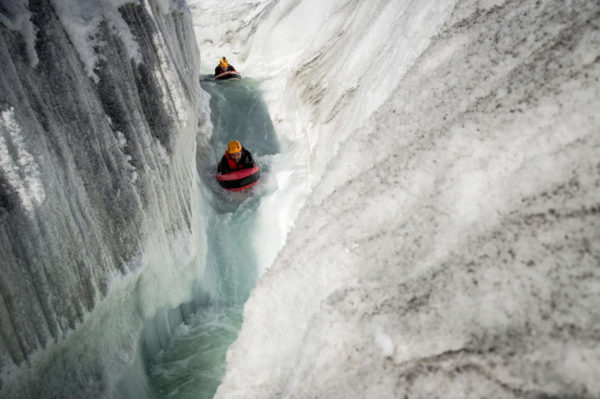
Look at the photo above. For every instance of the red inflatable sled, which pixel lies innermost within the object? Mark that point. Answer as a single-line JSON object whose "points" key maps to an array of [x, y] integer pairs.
{"points": [[240, 179], [229, 75]]}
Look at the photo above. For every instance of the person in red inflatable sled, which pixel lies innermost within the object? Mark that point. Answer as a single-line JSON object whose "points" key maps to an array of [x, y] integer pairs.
{"points": [[235, 158], [223, 67]]}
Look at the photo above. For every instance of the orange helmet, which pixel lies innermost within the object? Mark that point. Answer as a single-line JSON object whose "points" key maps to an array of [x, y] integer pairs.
{"points": [[223, 62], [234, 146]]}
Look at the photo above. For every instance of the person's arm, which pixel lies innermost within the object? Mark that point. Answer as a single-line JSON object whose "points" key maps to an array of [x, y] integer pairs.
{"points": [[231, 68], [217, 70], [248, 161], [223, 166]]}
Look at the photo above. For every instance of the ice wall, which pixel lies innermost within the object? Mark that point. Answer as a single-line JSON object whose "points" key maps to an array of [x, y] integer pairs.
{"points": [[99, 105], [450, 246]]}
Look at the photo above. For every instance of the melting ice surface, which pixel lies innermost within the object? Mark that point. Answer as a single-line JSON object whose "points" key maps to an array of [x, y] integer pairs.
{"points": [[193, 364]]}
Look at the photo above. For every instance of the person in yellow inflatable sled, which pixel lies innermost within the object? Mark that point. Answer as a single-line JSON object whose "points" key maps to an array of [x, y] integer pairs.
{"points": [[224, 66], [235, 158]]}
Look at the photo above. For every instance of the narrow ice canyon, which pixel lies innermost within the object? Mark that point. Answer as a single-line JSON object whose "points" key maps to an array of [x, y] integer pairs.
{"points": [[426, 224]]}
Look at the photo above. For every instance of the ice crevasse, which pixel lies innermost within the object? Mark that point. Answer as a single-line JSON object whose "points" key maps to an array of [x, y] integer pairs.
{"points": [[446, 238]]}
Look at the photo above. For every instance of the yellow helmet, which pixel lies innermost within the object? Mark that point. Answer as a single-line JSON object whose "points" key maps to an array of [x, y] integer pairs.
{"points": [[234, 146], [223, 62]]}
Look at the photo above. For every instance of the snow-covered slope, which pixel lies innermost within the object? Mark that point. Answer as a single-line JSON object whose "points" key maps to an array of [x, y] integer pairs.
{"points": [[451, 243], [99, 106]]}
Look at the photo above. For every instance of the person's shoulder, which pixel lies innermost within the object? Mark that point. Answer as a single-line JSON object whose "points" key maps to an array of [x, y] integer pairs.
{"points": [[248, 159]]}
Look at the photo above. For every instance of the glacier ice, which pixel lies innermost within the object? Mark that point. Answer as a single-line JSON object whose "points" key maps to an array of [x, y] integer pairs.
{"points": [[99, 204], [441, 158], [449, 245]]}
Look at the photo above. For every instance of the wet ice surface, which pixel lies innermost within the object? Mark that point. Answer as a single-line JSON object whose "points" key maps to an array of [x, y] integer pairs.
{"points": [[99, 107], [239, 112]]}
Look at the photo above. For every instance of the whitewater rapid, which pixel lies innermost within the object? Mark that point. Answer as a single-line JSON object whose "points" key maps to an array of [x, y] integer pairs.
{"points": [[192, 362]]}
